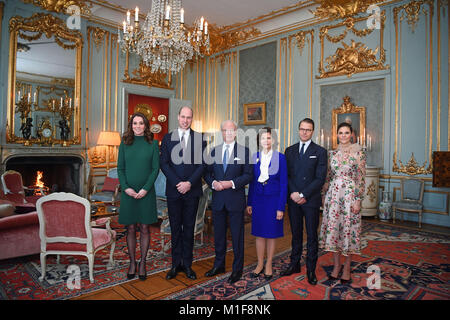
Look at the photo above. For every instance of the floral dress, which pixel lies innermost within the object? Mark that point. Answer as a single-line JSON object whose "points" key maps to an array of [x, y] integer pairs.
{"points": [[341, 229]]}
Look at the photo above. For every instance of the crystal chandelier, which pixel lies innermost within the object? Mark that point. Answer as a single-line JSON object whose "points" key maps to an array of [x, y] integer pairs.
{"points": [[162, 41]]}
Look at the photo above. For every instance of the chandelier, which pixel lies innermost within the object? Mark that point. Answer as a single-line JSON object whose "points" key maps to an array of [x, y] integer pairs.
{"points": [[162, 41]]}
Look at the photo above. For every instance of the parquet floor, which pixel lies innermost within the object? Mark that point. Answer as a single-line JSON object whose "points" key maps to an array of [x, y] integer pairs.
{"points": [[157, 287]]}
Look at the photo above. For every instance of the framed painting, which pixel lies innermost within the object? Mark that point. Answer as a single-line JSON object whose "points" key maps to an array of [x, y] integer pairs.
{"points": [[353, 115], [254, 113]]}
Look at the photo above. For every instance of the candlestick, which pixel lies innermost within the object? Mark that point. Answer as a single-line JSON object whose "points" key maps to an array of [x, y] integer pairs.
{"points": [[34, 98], [206, 27], [328, 143], [322, 140], [124, 27], [128, 16], [136, 14], [201, 23], [357, 140], [29, 97], [61, 105], [182, 15], [167, 12], [70, 103], [19, 96]]}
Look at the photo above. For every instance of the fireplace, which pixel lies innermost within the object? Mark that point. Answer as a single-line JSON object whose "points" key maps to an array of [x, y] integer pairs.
{"points": [[59, 173]]}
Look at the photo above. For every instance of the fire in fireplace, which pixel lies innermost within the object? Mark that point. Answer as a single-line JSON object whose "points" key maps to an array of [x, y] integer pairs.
{"points": [[49, 173]]}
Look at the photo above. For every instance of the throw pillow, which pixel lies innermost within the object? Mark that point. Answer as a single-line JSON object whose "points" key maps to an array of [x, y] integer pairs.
{"points": [[110, 184], [6, 210]]}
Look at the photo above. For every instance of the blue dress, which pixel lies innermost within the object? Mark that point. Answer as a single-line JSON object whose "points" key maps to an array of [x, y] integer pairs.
{"points": [[268, 197]]}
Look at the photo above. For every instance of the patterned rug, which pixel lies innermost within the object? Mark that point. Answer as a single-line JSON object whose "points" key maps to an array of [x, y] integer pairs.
{"points": [[19, 277], [412, 265]]}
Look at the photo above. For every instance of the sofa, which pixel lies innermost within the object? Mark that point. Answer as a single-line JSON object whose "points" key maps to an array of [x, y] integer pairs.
{"points": [[19, 233]]}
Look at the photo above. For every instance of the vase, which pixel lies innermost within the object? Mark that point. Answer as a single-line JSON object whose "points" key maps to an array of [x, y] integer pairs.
{"points": [[385, 207]]}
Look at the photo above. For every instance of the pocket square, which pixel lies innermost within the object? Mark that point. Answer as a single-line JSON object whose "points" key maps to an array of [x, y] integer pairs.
{"points": [[312, 157], [236, 159]]}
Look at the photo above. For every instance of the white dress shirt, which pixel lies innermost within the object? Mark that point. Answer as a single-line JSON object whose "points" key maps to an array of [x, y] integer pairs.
{"points": [[264, 159], [230, 157], [186, 134], [307, 143]]}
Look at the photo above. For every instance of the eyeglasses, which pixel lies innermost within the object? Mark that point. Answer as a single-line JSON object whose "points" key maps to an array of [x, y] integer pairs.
{"points": [[305, 130]]}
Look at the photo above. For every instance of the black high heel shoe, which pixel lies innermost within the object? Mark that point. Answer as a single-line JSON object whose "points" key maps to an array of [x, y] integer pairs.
{"points": [[144, 276], [132, 275], [330, 277], [256, 275]]}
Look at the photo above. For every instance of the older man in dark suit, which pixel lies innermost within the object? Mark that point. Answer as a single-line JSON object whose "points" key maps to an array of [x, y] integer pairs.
{"points": [[228, 171], [181, 162], [307, 171]]}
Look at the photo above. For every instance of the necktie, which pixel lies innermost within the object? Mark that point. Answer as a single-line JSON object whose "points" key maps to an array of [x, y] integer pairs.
{"points": [[302, 150], [225, 158], [183, 144]]}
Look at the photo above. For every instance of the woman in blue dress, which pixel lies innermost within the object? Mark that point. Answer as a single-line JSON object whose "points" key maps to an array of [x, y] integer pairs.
{"points": [[267, 198]]}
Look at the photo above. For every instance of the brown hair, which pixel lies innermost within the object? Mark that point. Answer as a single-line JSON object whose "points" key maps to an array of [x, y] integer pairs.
{"points": [[272, 133], [345, 124], [306, 120], [128, 136]]}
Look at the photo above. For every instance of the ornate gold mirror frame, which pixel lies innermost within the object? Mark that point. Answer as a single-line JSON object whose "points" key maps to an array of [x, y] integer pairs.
{"points": [[39, 24], [348, 108]]}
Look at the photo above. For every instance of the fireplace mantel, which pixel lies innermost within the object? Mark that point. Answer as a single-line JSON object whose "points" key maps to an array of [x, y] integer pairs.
{"points": [[9, 152]]}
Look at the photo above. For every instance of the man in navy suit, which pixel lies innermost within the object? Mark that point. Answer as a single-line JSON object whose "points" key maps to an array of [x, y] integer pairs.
{"points": [[228, 171], [181, 162], [307, 170]]}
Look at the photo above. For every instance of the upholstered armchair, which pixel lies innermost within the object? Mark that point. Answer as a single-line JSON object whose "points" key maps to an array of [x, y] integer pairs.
{"points": [[411, 193], [14, 190], [65, 227], [109, 193]]}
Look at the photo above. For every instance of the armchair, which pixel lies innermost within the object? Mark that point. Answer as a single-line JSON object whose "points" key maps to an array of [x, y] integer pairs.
{"points": [[65, 228], [109, 194], [14, 190], [411, 191]]}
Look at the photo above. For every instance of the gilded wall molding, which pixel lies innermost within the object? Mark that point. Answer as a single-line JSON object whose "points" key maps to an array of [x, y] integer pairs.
{"points": [[411, 11], [143, 75], [98, 35], [61, 6], [412, 167], [222, 40], [354, 57], [332, 9]]}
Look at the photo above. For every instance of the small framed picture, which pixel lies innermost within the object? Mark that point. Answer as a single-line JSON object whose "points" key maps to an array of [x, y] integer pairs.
{"points": [[254, 113]]}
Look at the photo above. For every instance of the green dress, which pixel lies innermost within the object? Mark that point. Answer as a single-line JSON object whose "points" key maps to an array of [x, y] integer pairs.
{"points": [[138, 167]]}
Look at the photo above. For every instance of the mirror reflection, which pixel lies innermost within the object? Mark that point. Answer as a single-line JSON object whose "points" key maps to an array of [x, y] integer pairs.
{"points": [[46, 82]]}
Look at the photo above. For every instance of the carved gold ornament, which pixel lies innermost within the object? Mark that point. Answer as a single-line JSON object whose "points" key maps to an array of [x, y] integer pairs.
{"points": [[411, 168], [338, 9], [144, 76], [354, 57], [411, 12], [222, 40], [62, 5]]}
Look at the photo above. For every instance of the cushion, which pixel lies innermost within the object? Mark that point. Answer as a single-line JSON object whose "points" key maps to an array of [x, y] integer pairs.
{"points": [[110, 184], [408, 204], [6, 210]]}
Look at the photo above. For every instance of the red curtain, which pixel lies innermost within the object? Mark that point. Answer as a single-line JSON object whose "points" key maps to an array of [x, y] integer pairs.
{"points": [[159, 108]]}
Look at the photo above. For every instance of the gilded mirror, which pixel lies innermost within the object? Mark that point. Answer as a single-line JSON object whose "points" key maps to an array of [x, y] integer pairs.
{"points": [[353, 115], [44, 81]]}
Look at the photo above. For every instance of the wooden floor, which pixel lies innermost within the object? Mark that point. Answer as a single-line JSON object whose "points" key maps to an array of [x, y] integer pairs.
{"points": [[157, 287]]}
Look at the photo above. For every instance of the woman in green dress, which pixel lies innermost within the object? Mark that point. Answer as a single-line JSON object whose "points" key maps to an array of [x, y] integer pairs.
{"points": [[138, 167]]}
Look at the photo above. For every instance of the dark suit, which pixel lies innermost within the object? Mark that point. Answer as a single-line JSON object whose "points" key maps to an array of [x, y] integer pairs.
{"points": [[306, 174], [229, 203], [178, 165]]}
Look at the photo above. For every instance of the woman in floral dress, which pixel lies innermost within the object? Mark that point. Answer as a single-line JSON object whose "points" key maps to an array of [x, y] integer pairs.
{"points": [[343, 192]]}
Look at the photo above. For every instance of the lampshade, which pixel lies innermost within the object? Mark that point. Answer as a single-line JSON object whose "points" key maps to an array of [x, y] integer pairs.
{"points": [[109, 138]]}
